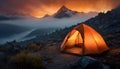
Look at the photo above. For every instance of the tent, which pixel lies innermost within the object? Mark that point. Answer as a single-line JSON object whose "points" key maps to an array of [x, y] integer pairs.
{"points": [[83, 40]]}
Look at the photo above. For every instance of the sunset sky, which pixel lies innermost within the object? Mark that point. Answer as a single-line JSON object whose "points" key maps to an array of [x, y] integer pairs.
{"points": [[39, 8]]}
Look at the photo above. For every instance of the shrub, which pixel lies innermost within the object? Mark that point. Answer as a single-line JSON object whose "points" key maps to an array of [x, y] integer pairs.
{"points": [[115, 52], [26, 61], [6, 48], [3, 60], [33, 47]]}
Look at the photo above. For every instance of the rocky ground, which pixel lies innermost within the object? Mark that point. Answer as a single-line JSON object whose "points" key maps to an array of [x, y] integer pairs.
{"points": [[53, 58], [57, 60]]}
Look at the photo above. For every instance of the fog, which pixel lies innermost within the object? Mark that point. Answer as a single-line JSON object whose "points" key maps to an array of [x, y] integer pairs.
{"points": [[48, 22], [43, 23], [17, 37]]}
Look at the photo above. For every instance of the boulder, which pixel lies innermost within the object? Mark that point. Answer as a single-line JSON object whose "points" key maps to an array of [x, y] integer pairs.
{"points": [[86, 62]]}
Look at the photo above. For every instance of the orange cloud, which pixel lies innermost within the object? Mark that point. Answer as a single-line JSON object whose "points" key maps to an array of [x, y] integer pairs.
{"points": [[39, 8]]}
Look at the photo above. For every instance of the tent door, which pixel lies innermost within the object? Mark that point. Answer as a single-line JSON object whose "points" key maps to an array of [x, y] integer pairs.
{"points": [[74, 43]]}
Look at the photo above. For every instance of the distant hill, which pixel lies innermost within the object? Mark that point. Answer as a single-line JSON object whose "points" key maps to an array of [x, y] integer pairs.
{"points": [[5, 17], [14, 17], [7, 30], [47, 15]]}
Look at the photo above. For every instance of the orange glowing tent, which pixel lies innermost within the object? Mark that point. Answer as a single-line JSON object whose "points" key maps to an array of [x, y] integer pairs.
{"points": [[83, 40]]}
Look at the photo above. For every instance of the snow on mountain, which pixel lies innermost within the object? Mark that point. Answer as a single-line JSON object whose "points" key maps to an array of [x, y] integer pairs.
{"points": [[64, 12]]}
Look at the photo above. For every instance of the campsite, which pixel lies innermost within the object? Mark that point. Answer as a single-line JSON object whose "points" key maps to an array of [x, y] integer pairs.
{"points": [[84, 40], [59, 35]]}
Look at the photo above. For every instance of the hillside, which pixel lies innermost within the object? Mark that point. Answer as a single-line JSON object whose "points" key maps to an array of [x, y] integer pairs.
{"points": [[108, 25]]}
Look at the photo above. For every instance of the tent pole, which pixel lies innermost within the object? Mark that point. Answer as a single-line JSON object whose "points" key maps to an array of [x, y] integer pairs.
{"points": [[83, 48]]}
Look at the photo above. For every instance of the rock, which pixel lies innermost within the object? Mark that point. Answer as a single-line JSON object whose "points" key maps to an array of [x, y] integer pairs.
{"points": [[87, 62]]}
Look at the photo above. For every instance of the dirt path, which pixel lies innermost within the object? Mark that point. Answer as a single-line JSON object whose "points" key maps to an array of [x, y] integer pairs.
{"points": [[55, 59]]}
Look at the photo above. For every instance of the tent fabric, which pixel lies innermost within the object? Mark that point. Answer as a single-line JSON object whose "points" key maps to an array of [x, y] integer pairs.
{"points": [[83, 40]]}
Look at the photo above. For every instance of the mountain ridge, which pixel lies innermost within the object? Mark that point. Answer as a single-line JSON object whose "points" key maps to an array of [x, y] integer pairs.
{"points": [[64, 12]]}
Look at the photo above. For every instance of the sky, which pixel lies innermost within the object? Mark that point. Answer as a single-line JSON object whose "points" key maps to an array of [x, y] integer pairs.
{"points": [[39, 8]]}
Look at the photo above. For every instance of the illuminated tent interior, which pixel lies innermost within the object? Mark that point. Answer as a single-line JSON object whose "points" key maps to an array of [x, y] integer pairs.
{"points": [[83, 40]]}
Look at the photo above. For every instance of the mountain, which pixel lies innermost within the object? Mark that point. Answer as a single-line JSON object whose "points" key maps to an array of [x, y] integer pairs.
{"points": [[47, 15], [43, 25], [107, 24], [64, 12], [6, 17]]}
